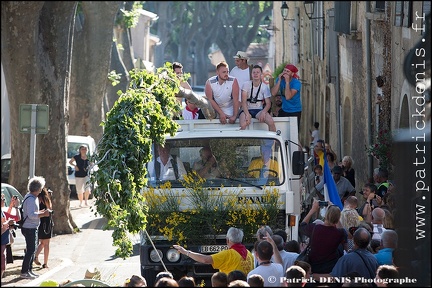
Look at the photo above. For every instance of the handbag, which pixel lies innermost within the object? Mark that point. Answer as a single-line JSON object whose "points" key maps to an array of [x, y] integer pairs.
{"points": [[304, 255]]}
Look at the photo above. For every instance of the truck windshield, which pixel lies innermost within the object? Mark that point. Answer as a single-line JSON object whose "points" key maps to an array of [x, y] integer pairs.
{"points": [[227, 162]]}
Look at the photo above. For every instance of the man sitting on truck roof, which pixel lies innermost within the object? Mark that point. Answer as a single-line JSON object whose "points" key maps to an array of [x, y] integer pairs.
{"points": [[256, 104], [264, 166], [236, 257], [166, 166]]}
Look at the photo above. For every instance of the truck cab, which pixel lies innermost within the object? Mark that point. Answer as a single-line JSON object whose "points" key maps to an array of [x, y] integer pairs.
{"points": [[233, 174]]}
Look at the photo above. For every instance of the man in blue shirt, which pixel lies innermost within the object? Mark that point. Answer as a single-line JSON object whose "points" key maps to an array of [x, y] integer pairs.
{"points": [[389, 240], [288, 85]]}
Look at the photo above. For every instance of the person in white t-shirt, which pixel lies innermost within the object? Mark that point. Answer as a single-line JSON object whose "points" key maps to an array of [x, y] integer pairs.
{"points": [[241, 71], [315, 134], [256, 101], [221, 91], [271, 272], [191, 111]]}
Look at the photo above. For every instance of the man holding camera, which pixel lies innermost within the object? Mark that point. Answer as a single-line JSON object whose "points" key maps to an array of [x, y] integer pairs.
{"points": [[344, 187], [255, 101]]}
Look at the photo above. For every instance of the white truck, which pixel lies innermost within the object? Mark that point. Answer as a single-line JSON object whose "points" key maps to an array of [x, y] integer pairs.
{"points": [[234, 150]]}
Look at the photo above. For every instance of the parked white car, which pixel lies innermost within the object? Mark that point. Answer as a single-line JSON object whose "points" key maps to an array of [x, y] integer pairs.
{"points": [[19, 245], [74, 142], [5, 167]]}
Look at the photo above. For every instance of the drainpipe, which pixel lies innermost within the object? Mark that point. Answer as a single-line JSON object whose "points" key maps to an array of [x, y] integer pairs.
{"points": [[337, 95], [368, 87], [283, 40], [313, 69]]}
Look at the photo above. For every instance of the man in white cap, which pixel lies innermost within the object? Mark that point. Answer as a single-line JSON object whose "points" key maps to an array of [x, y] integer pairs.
{"points": [[242, 71]]}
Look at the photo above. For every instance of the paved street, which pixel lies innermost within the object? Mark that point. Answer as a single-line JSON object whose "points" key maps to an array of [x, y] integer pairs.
{"points": [[71, 255]]}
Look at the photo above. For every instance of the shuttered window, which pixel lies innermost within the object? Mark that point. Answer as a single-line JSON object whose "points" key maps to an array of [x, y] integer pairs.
{"points": [[342, 17], [403, 13], [380, 6]]}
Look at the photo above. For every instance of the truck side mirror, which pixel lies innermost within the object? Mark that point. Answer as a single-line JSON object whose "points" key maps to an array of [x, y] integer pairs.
{"points": [[298, 163]]}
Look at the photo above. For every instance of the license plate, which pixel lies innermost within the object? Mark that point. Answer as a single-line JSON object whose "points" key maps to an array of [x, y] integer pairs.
{"points": [[213, 248]]}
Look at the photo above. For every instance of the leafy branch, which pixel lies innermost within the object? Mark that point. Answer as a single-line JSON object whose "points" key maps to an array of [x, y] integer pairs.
{"points": [[142, 115]]}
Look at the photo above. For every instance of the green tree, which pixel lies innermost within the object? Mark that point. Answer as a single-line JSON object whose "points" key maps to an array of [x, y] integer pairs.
{"points": [[36, 57], [91, 57], [37, 52], [195, 26], [142, 115]]}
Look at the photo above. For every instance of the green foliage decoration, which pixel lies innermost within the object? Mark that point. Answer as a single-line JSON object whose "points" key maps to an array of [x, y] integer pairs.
{"points": [[142, 115]]}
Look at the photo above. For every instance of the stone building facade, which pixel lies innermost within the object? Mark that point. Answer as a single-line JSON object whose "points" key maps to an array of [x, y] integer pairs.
{"points": [[350, 57]]}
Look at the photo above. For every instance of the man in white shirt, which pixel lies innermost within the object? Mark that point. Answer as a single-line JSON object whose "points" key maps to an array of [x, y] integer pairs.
{"points": [[241, 71], [315, 134], [271, 272], [191, 111], [221, 91], [166, 167], [255, 101], [378, 216]]}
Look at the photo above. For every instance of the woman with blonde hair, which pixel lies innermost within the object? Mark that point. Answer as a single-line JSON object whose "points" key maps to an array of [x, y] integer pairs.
{"points": [[325, 240], [45, 231], [349, 218]]}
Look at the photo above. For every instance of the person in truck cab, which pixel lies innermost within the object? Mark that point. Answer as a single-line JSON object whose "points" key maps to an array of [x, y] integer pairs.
{"points": [[166, 166], [207, 166], [264, 166], [236, 257]]}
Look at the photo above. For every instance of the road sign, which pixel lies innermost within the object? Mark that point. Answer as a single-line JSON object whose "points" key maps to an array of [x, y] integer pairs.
{"points": [[42, 118]]}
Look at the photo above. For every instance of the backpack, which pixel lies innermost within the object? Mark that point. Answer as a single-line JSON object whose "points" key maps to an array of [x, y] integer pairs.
{"points": [[20, 209]]}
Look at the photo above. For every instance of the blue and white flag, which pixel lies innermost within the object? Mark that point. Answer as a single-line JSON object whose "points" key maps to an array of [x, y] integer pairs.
{"points": [[330, 190]]}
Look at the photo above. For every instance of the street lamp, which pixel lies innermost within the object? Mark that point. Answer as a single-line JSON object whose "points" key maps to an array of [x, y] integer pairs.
{"points": [[284, 10], [310, 10]]}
